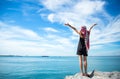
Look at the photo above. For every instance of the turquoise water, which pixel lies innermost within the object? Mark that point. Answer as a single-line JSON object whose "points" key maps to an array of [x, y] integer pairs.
{"points": [[51, 67]]}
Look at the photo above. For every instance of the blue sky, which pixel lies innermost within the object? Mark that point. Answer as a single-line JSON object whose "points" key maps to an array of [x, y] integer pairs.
{"points": [[36, 27]]}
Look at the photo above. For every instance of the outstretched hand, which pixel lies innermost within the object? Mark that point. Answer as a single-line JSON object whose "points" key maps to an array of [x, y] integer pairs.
{"points": [[95, 24], [92, 26], [67, 24]]}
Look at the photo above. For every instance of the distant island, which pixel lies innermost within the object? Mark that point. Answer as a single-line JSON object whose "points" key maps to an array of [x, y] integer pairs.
{"points": [[44, 56]]}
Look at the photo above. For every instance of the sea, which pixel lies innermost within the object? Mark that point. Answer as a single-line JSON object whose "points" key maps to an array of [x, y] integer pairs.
{"points": [[52, 67]]}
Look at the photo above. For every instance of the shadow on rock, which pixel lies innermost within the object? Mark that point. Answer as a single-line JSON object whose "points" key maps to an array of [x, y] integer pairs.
{"points": [[92, 74]]}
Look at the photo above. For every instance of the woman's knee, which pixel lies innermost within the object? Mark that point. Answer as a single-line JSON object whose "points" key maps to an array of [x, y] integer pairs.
{"points": [[85, 58]]}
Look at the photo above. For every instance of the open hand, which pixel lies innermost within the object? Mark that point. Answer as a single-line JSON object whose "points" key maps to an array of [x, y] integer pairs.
{"points": [[95, 24], [67, 24]]}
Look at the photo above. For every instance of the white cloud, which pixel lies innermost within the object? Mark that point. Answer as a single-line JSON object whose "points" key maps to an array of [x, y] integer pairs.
{"points": [[76, 12], [51, 17], [9, 32], [87, 7], [16, 40], [109, 34], [54, 5], [94, 47], [49, 29]]}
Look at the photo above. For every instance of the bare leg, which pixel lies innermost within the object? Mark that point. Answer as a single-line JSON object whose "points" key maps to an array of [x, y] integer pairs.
{"points": [[85, 64], [81, 64]]}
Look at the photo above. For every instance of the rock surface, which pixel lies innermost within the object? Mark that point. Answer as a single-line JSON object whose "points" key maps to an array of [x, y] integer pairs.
{"points": [[96, 75]]}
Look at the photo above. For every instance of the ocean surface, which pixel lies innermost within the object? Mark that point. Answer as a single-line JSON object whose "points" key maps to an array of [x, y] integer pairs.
{"points": [[51, 67]]}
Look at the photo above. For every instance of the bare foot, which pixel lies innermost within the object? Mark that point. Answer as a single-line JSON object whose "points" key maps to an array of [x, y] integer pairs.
{"points": [[83, 74], [87, 75]]}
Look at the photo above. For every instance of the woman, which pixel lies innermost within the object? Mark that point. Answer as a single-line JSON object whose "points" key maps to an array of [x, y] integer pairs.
{"points": [[83, 46]]}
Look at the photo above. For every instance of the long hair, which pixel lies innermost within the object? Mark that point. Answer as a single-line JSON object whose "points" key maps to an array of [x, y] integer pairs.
{"points": [[85, 34], [83, 31]]}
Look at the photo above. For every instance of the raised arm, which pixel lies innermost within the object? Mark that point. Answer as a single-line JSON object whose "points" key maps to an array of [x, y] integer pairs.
{"points": [[92, 26], [67, 24]]}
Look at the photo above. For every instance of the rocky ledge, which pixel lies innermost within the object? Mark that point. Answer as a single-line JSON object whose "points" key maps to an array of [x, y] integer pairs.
{"points": [[96, 75]]}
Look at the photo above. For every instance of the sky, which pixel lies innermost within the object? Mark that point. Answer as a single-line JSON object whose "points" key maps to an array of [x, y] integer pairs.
{"points": [[36, 27]]}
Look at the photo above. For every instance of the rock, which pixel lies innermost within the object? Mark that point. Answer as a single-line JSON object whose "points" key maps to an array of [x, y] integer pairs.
{"points": [[96, 75]]}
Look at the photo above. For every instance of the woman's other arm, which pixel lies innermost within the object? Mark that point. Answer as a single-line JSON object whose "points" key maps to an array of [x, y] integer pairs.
{"points": [[92, 26]]}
